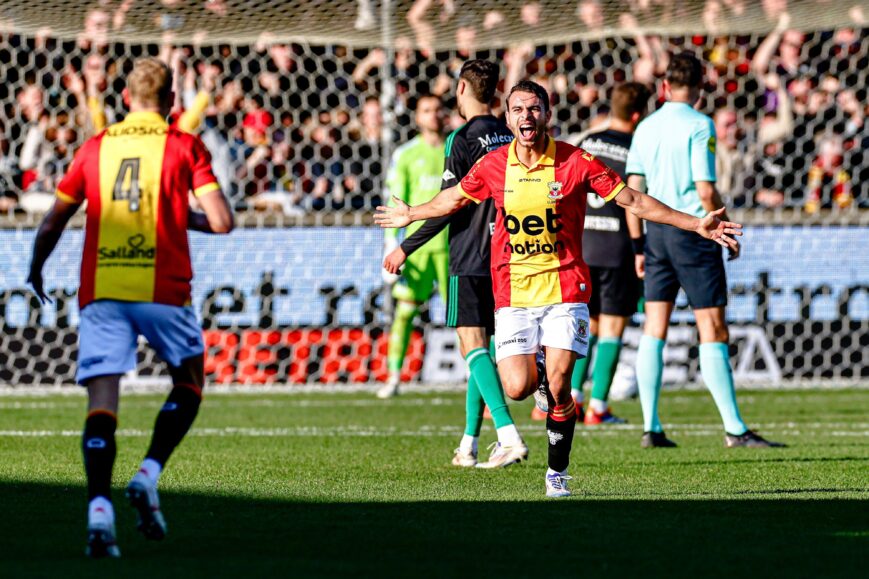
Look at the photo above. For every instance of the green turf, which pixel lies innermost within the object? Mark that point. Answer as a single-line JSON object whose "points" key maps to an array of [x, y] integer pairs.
{"points": [[344, 485]]}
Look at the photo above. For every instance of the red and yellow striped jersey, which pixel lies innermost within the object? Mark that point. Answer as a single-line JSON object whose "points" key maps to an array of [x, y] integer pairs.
{"points": [[537, 243], [135, 176]]}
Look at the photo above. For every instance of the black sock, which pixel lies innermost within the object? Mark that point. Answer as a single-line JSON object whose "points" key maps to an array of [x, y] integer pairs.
{"points": [[99, 450], [560, 425], [174, 421]]}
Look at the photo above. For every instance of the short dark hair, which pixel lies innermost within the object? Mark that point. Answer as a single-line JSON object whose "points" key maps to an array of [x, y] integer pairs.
{"points": [[482, 76], [685, 70], [533, 88], [629, 98]]}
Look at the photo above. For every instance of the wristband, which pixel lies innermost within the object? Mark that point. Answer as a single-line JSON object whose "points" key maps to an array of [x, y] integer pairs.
{"points": [[639, 244]]}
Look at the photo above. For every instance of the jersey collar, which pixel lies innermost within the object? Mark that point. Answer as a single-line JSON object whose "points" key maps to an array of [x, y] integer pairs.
{"points": [[545, 160], [145, 117]]}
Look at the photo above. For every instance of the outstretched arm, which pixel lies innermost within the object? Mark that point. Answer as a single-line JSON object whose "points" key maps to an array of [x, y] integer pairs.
{"points": [[47, 236], [710, 226], [401, 214]]}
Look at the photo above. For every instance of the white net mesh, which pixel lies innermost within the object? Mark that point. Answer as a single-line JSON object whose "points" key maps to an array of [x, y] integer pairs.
{"points": [[295, 122], [432, 24]]}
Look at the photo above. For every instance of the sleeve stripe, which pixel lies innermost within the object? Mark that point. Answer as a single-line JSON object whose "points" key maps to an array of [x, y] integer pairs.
{"points": [[66, 198], [615, 192], [207, 188], [462, 191]]}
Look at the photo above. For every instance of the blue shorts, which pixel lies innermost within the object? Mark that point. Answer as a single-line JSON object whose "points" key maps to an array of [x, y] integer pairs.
{"points": [[677, 258], [109, 332]]}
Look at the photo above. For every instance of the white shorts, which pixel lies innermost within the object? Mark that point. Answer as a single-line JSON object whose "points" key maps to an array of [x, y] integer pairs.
{"points": [[524, 330], [109, 333]]}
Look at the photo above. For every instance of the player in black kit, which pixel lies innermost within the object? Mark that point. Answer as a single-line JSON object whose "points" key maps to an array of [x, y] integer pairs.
{"points": [[608, 249], [470, 302]]}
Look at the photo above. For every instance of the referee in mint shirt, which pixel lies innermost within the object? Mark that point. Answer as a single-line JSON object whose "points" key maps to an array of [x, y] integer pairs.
{"points": [[672, 158]]}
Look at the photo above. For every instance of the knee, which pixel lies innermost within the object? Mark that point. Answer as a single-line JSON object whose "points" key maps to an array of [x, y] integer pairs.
{"points": [[559, 388], [716, 332], [405, 311], [515, 387]]}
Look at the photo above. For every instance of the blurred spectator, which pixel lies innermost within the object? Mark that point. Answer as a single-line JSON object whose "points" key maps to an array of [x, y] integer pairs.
{"points": [[782, 49], [590, 13], [251, 150], [829, 174]]}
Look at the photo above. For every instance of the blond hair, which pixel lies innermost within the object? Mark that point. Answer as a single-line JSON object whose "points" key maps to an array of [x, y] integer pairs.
{"points": [[150, 82]]}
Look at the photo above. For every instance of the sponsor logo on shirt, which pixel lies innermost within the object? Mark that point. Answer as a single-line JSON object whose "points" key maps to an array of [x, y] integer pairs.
{"points": [[539, 228], [598, 223], [136, 130], [492, 142], [134, 250]]}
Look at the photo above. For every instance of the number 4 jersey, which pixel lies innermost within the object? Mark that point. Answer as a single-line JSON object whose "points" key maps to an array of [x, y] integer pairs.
{"points": [[136, 176]]}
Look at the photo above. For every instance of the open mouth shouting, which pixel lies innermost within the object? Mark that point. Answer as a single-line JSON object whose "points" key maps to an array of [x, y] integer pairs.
{"points": [[528, 131]]}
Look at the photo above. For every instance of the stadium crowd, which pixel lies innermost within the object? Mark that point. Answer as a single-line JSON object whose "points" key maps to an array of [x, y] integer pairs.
{"points": [[299, 128]]}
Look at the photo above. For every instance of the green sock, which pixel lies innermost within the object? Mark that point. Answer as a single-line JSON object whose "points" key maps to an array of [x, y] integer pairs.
{"points": [[474, 406], [485, 374], [605, 362], [399, 335], [580, 369]]}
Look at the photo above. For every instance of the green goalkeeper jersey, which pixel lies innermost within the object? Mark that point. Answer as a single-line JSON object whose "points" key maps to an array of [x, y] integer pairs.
{"points": [[414, 176]]}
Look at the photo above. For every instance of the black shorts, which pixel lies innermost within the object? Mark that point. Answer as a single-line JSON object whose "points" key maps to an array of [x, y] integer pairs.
{"points": [[471, 302], [677, 258], [615, 291]]}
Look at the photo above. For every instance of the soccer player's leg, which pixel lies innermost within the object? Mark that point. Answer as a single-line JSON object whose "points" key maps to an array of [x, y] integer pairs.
{"points": [[609, 345], [661, 288], [510, 447], [175, 334], [718, 377], [516, 345], [413, 289], [580, 369], [565, 336], [107, 350], [471, 310], [619, 290]]}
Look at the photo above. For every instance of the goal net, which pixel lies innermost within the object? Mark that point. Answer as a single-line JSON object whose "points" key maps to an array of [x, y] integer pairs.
{"points": [[301, 104]]}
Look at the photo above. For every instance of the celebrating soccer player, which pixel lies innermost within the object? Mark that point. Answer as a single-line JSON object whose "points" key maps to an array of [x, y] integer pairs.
{"points": [[135, 280], [541, 282], [415, 177], [471, 304], [673, 156]]}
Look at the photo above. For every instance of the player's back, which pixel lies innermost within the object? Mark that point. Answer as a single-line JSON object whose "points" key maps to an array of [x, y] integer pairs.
{"points": [[136, 176], [671, 148], [471, 226], [605, 240]]}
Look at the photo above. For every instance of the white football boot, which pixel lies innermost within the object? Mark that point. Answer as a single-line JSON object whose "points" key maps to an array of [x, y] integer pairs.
{"points": [[142, 494], [502, 455]]}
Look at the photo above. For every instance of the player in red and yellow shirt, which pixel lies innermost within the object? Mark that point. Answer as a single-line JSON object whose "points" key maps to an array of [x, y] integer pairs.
{"points": [[540, 280], [135, 280]]}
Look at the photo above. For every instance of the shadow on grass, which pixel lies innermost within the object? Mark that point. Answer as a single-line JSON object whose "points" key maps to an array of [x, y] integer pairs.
{"points": [[225, 536]]}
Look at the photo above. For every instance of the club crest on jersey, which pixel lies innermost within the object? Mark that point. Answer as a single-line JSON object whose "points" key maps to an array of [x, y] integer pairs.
{"points": [[555, 190]]}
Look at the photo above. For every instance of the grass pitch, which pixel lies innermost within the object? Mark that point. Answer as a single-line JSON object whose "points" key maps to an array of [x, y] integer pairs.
{"points": [[346, 485]]}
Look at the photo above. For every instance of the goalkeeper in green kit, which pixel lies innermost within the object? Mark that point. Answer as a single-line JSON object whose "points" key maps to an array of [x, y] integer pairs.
{"points": [[414, 176]]}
